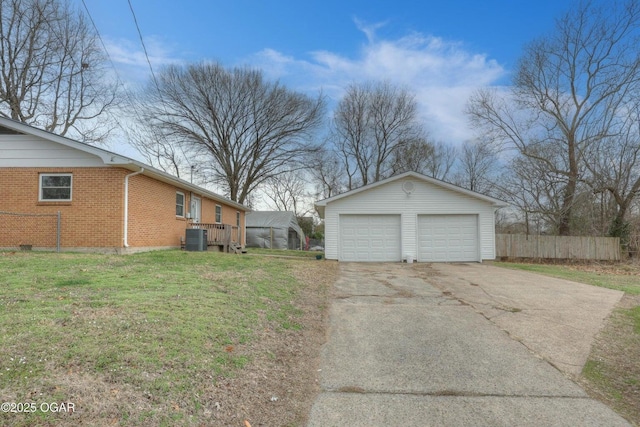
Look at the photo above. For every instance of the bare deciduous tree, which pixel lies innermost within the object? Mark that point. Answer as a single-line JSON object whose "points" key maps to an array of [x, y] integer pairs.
{"points": [[614, 165], [287, 191], [477, 161], [526, 184], [328, 174], [569, 91], [163, 153], [52, 73], [239, 128], [370, 122], [413, 155], [441, 162], [435, 159]]}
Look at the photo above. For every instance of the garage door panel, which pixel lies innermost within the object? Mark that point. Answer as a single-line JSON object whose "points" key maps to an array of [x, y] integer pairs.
{"points": [[369, 238], [447, 238]]}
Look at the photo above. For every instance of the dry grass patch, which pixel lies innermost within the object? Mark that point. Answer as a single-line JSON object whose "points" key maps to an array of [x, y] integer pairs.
{"points": [[162, 338]]}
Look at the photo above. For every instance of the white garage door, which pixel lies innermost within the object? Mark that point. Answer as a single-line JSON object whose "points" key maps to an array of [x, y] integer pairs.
{"points": [[369, 238], [447, 238]]}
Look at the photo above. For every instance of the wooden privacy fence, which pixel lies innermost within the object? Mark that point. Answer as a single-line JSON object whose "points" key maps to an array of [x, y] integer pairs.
{"points": [[560, 247]]}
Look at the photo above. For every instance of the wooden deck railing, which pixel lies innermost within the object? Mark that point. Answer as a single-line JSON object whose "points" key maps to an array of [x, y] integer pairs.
{"points": [[219, 234]]}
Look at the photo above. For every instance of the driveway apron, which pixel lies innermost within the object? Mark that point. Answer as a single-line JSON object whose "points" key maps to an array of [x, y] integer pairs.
{"points": [[403, 352]]}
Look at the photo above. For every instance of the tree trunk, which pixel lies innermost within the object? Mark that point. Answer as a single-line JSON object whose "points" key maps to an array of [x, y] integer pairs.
{"points": [[564, 223], [564, 226]]}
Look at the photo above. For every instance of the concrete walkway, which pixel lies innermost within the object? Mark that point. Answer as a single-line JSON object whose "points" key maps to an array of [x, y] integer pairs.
{"points": [[404, 350]]}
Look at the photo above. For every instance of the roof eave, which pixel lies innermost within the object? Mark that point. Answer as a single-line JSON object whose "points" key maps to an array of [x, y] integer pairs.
{"points": [[116, 160], [178, 182]]}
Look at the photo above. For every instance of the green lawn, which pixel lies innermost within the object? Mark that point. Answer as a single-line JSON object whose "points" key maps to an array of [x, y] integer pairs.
{"points": [[624, 278], [156, 327]]}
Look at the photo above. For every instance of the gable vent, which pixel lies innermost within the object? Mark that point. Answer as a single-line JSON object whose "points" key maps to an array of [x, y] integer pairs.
{"points": [[408, 187]]}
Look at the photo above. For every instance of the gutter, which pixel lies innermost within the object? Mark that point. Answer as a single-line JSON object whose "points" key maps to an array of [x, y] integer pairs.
{"points": [[126, 205]]}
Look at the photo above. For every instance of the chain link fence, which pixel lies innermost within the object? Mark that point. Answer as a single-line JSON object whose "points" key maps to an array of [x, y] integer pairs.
{"points": [[25, 231]]}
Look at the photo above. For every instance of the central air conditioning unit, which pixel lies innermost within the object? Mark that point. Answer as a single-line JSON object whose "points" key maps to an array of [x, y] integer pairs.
{"points": [[196, 239]]}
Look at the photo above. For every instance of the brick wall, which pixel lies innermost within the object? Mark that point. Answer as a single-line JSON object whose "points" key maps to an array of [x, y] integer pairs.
{"points": [[94, 217], [152, 213]]}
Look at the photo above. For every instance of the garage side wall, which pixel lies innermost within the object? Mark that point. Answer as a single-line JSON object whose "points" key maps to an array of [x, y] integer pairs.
{"points": [[425, 199]]}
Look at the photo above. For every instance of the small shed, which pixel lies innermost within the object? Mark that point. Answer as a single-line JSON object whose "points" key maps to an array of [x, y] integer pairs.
{"points": [[273, 230]]}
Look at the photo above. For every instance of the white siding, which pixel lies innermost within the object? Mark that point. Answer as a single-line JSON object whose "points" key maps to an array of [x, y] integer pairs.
{"points": [[426, 198], [31, 151]]}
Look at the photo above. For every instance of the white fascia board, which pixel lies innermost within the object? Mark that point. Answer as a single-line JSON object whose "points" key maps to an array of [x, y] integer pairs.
{"points": [[495, 202]]}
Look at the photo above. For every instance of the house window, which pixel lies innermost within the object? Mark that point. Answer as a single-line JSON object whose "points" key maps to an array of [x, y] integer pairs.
{"points": [[237, 219], [55, 187], [218, 214], [179, 204]]}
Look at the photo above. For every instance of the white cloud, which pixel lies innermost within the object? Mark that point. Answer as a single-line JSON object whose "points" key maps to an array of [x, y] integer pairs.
{"points": [[441, 73], [368, 29]]}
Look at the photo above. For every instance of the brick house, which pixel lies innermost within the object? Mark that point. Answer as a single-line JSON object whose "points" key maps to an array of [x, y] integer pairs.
{"points": [[106, 201]]}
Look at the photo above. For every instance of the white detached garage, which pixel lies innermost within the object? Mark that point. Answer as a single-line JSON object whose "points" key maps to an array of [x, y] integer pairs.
{"points": [[409, 217]]}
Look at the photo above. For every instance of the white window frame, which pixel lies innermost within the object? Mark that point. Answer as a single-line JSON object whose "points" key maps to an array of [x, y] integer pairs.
{"points": [[40, 188], [218, 215], [184, 200], [238, 219]]}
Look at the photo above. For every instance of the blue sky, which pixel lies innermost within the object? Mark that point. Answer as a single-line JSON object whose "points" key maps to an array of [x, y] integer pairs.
{"points": [[441, 50]]}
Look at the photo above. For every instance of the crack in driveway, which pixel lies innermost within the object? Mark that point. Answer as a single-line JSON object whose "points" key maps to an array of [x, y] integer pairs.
{"points": [[428, 355], [446, 393]]}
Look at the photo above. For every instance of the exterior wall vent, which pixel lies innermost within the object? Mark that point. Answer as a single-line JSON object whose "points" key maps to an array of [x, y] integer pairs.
{"points": [[408, 187]]}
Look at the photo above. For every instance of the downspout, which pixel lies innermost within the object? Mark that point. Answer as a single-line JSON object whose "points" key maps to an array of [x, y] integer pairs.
{"points": [[126, 205]]}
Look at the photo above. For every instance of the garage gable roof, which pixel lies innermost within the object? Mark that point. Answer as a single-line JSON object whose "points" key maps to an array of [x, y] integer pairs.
{"points": [[113, 159], [320, 205]]}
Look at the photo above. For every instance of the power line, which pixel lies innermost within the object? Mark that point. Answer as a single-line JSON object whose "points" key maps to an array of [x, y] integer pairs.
{"points": [[144, 48], [154, 130], [119, 81], [104, 46]]}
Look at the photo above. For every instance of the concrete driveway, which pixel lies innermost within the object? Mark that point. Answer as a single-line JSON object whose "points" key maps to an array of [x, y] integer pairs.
{"points": [[458, 345]]}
